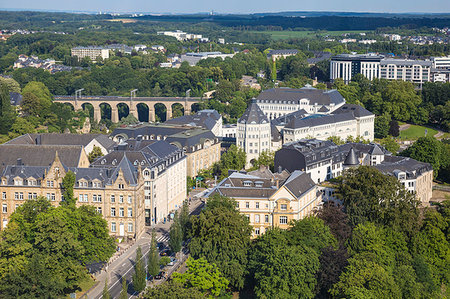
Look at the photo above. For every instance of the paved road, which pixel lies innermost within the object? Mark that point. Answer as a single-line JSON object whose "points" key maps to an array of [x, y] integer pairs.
{"points": [[124, 265]]}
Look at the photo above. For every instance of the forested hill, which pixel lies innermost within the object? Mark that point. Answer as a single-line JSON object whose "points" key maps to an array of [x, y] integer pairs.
{"points": [[321, 22]]}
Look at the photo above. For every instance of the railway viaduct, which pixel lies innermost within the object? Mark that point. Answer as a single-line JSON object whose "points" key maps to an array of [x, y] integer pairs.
{"points": [[132, 103]]}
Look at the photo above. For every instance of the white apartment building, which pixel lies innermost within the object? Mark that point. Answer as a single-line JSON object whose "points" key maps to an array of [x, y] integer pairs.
{"points": [[324, 160], [253, 132], [277, 102], [415, 71], [441, 62], [92, 52]]}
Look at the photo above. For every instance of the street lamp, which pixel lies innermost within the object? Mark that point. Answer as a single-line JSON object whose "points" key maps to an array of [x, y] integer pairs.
{"points": [[133, 93]]}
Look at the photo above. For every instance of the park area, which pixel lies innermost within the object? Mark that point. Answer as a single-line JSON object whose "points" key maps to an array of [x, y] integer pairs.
{"points": [[415, 131], [288, 34]]}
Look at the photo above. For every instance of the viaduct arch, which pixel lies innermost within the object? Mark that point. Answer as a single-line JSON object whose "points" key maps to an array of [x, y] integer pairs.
{"points": [[131, 102]]}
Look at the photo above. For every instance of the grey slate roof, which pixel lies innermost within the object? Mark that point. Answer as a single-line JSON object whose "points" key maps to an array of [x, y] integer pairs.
{"points": [[357, 110], [299, 182], [351, 158], [283, 52], [205, 118], [318, 120], [282, 120], [321, 97], [43, 155], [253, 115], [62, 139]]}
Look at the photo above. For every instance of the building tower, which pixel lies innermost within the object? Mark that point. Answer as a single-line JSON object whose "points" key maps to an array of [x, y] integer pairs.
{"points": [[253, 132]]}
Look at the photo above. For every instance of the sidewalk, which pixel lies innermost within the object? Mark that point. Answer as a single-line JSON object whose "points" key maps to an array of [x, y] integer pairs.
{"points": [[117, 262]]}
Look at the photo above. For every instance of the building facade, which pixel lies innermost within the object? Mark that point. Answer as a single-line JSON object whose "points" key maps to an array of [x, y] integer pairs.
{"points": [[346, 66], [271, 199], [253, 132], [415, 71], [324, 160], [277, 102], [92, 52]]}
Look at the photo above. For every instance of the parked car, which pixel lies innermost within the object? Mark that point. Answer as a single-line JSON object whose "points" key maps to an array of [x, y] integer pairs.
{"points": [[172, 261], [165, 252], [160, 275]]}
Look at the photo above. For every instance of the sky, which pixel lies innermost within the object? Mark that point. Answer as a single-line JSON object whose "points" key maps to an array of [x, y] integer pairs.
{"points": [[231, 6]]}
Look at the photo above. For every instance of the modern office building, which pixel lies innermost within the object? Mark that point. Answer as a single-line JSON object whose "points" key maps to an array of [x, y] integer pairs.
{"points": [[416, 71], [194, 57], [346, 66]]}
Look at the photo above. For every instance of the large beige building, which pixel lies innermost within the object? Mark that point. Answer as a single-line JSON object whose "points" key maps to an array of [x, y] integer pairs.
{"points": [[271, 199], [133, 186], [93, 52]]}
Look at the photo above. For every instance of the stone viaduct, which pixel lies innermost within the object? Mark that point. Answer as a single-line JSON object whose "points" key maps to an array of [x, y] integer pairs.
{"points": [[132, 103]]}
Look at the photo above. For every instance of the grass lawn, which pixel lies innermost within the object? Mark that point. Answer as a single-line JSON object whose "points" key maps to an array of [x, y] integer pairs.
{"points": [[415, 131], [85, 285], [287, 34]]}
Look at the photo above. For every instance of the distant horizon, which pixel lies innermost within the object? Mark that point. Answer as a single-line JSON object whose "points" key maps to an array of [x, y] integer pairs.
{"points": [[217, 12], [177, 7]]}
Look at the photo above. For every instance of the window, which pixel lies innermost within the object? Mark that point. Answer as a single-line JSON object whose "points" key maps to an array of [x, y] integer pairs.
{"points": [[50, 183], [98, 210], [237, 203], [130, 227], [283, 219], [86, 198], [283, 206], [113, 227], [80, 197], [5, 208], [257, 204], [96, 198], [113, 212], [113, 198], [266, 218], [121, 212], [52, 197], [247, 204], [121, 186], [256, 218], [3, 195], [130, 199], [130, 212], [120, 198], [257, 231]]}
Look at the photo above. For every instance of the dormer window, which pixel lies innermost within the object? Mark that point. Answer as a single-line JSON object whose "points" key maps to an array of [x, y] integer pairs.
{"points": [[146, 173], [247, 183]]}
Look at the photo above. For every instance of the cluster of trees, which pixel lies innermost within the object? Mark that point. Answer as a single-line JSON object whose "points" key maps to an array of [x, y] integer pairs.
{"points": [[379, 244], [399, 100], [430, 150], [44, 250], [38, 112]]}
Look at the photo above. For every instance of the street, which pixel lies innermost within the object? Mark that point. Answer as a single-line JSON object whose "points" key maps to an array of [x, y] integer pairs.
{"points": [[123, 266]]}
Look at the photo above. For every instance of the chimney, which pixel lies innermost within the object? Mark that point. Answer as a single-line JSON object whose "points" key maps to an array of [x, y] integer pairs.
{"points": [[278, 184], [19, 162], [280, 169]]}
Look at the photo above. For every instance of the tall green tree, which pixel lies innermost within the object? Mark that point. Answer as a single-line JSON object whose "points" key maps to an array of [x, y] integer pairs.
{"points": [[139, 272], [95, 153], [105, 293], [7, 113], [153, 257], [68, 184], [176, 234], [124, 291], [369, 195], [184, 218], [222, 236], [173, 290]]}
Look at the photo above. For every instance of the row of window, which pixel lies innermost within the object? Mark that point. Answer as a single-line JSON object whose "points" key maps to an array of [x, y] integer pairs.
{"points": [[122, 212], [114, 227], [283, 219], [247, 205], [121, 199]]}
